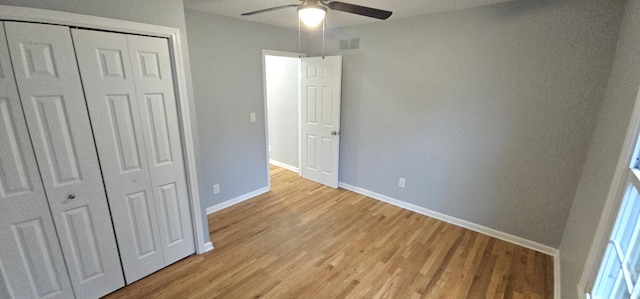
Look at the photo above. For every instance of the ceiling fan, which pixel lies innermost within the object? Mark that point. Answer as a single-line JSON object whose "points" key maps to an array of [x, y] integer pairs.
{"points": [[312, 12]]}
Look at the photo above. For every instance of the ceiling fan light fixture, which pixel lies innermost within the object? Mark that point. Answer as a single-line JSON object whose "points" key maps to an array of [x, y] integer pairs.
{"points": [[311, 15]]}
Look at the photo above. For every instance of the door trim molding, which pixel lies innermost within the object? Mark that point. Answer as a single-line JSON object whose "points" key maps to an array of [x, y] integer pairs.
{"points": [[36, 15]]}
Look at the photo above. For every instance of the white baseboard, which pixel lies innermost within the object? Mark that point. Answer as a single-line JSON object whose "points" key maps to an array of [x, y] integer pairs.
{"points": [[208, 246], [555, 253], [284, 165], [456, 221], [239, 199]]}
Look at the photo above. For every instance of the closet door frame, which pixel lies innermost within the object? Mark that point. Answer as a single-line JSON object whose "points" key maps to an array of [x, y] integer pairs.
{"points": [[14, 13]]}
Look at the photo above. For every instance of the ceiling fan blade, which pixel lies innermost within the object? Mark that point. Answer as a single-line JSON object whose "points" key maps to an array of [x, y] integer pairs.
{"points": [[360, 10], [268, 9]]}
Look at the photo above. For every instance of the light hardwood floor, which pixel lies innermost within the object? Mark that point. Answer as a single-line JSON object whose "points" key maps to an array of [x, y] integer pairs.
{"points": [[304, 240]]}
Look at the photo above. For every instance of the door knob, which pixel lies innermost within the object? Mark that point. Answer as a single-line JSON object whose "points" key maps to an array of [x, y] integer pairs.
{"points": [[334, 133], [71, 196]]}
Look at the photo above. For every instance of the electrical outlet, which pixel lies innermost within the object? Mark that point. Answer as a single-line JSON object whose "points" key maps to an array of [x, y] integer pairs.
{"points": [[216, 188], [252, 117], [401, 183]]}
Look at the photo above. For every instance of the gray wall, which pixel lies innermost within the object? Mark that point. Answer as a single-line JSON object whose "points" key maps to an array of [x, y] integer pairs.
{"points": [[168, 13], [487, 112], [282, 84], [604, 152], [227, 72]]}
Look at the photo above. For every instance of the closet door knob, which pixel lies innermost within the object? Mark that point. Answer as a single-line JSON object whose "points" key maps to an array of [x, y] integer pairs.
{"points": [[71, 196]]}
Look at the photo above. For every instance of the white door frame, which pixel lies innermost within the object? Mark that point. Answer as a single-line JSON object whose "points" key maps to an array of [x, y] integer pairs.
{"points": [[266, 52], [14, 13]]}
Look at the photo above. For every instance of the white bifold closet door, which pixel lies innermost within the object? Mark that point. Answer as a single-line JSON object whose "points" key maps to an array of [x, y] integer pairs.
{"points": [[56, 114], [128, 83], [31, 263]]}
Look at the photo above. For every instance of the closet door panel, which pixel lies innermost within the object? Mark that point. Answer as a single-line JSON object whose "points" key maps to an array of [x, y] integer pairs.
{"points": [[31, 262], [153, 79], [106, 75], [53, 102]]}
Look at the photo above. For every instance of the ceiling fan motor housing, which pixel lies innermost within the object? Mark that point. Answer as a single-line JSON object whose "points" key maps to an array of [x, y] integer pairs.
{"points": [[320, 8], [311, 13]]}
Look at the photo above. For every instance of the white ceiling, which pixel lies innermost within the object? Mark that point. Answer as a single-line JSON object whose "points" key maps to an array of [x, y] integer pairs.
{"points": [[288, 17]]}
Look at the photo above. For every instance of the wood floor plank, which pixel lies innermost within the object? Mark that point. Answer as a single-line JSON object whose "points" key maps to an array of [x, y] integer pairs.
{"points": [[305, 240]]}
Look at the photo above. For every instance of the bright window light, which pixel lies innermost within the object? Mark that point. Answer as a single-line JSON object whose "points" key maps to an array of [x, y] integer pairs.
{"points": [[620, 268]]}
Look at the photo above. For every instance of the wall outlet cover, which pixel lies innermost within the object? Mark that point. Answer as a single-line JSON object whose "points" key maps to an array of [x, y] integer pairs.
{"points": [[216, 188]]}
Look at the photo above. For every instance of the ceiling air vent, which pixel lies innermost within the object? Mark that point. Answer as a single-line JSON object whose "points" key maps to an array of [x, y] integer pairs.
{"points": [[347, 44]]}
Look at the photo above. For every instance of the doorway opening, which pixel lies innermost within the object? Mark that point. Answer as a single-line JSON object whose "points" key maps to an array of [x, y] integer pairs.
{"points": [[282, 109], [302, 113]]}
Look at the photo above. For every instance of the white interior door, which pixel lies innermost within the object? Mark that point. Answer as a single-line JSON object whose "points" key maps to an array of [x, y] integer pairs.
{"points": [[321, 79], [54, 106], [159, 117], [31, 262], [110, 91]]}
